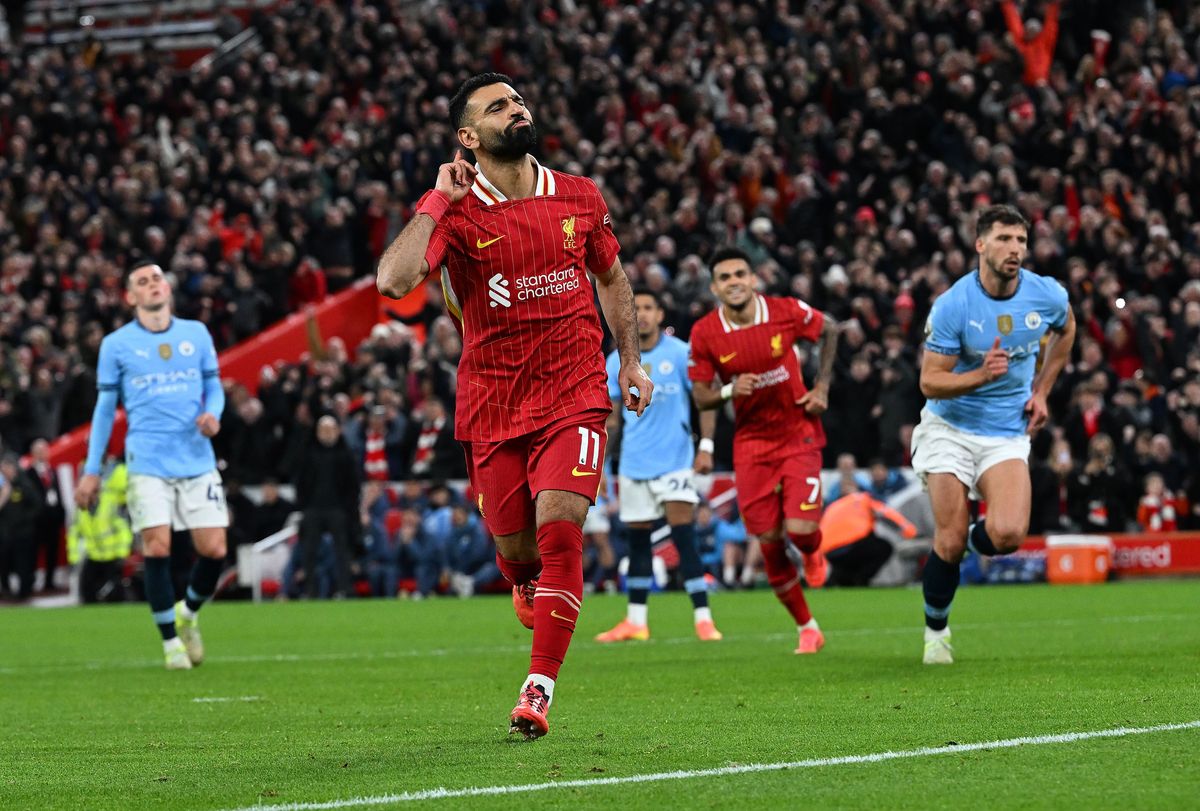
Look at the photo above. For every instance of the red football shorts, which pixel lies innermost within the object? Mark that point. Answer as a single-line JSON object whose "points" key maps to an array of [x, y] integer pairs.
{"points": [[507, 476], [772, 490]]}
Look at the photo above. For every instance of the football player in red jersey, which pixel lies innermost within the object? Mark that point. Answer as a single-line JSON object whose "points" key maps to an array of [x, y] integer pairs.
{"points": [[748, 343], [515, 242]]}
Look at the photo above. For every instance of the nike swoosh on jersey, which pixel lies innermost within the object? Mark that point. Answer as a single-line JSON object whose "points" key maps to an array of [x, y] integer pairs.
{"points": [[575, 471], [806, 507], [481, 244], [559, 616], [727, 358]]}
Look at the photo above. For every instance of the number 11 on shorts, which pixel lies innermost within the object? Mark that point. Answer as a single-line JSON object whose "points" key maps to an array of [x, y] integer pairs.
{"points": [[589, 445]]}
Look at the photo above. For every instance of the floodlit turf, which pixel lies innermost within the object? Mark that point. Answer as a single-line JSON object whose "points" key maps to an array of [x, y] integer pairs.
{"points": [[331, 701]]}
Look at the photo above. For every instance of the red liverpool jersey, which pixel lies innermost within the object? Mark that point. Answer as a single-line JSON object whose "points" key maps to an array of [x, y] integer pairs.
{"points": [[514, 273], [768, 423]]}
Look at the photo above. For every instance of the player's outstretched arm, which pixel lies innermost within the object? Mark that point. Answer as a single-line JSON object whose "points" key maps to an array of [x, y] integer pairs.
{"points": [[88, 486], [1058, 352], [816, 400], [616, 300], [402, 266], [940, 382]]}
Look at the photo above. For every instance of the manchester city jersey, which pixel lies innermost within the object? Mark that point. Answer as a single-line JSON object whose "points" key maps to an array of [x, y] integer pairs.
{"points": [[966, 321], [660, 441], [160, 378]]}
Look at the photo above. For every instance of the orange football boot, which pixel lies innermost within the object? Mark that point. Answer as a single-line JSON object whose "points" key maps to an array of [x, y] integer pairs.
{"points": [[625, 631]]}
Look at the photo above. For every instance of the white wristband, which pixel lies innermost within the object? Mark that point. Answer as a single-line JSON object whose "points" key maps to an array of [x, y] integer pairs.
{"points": [[706, 445], [727, 391]]}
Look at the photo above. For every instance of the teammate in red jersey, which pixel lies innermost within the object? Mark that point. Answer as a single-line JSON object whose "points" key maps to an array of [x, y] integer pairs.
{"points": [[748, 342], [515, 242]]}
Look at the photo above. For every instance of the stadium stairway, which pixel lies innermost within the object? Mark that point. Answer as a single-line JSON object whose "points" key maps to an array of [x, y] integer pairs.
{"points": [[188, 28]]}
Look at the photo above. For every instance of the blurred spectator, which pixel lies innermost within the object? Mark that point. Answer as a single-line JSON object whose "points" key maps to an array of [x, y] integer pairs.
{"points": [[20, 505], [103, 538], [431, 560], [884, 480], [271, 513], [1157, 509], [471, 555], [715, 535], [383, 543], [849, 479], [850, 543], [1033, 40], [1099, 492], [327, 491], [378, 441], [48, 526], [437, 454], [1050, 468]]}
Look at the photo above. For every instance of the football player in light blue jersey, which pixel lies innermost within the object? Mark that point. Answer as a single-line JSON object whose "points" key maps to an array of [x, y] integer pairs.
{"points": [[164, 370], [986, 398], [655, 474]]}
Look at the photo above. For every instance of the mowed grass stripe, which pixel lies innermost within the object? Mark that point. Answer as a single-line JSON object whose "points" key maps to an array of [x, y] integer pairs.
{"points": [[725, 771], [832, 632]]}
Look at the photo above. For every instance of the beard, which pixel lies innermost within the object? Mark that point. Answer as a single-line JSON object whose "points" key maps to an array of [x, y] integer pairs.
{"points": [[513, 143]]}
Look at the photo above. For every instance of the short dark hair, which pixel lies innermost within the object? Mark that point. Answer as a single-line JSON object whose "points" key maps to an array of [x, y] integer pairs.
{"points": [[727, 252], [458, 104], [641, 290], [998, 215], [134, 267]]}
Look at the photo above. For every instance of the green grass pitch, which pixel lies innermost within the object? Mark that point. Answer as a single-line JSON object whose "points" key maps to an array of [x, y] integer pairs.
{"points": [[320, 702]]}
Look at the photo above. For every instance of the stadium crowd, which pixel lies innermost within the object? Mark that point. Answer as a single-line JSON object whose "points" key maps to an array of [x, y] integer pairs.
{"points": [[843, 145]]}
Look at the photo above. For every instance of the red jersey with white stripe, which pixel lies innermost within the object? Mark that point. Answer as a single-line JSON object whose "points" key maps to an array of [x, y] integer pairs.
{"points": [[514, 273], [768, 423]]}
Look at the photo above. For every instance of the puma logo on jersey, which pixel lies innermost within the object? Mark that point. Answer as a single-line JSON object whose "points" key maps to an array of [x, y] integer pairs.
{"points": [[479, 243], [976, 324], [498, 291], [727, 358]]}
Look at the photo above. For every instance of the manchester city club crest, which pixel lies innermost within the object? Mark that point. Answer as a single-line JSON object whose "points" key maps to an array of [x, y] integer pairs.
{"points": [[568, 226], [164, 351], [1004, 323], [187, 348], [1033, 320]]}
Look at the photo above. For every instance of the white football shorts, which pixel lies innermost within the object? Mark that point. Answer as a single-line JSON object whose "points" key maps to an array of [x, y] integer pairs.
{"points": [[643, 499], [191, 503], [939, 447]]}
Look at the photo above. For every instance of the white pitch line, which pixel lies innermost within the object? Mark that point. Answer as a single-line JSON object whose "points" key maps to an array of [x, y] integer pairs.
{"points": [[658, 777], [342, 656], [223, 699]]}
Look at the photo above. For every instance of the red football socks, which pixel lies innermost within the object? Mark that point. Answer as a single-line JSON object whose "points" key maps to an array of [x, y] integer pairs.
{"points": [[559, 595], [783, 577], [807, 543], [518, 572]]}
